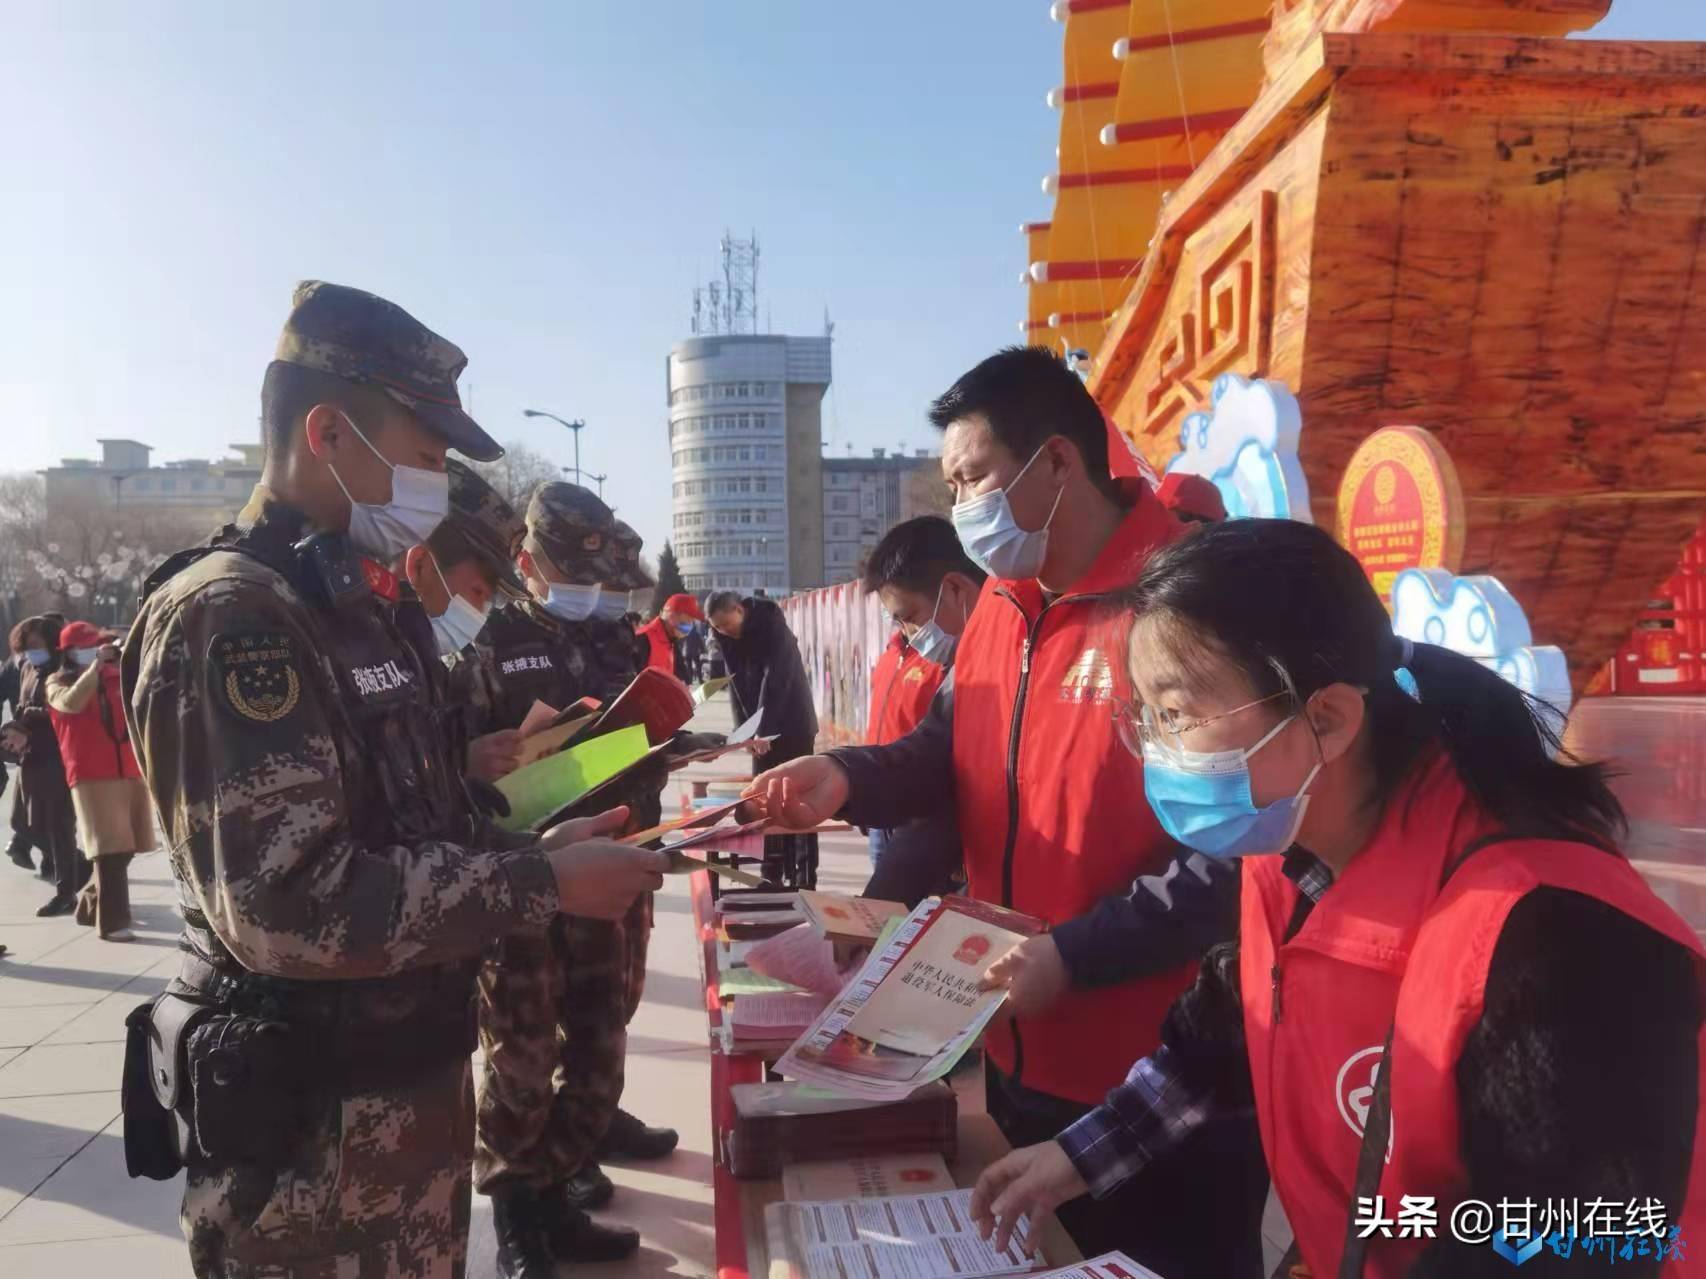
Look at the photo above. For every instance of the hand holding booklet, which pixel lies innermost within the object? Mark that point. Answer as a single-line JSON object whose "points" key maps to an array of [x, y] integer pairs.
{"points": [[914, 1007]]}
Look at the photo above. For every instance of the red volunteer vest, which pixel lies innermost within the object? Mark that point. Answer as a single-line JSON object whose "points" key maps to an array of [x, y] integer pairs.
{"points": [[1051, 805], [662, 653], [92, 752], [1385, 948], [902, 687]]}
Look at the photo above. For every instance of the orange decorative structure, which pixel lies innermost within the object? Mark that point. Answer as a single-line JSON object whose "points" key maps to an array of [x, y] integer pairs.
{"points": [[1495, 236], [1141, 102]]}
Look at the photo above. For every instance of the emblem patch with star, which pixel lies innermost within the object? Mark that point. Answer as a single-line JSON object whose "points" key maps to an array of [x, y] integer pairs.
{"points": [[256, 673]]}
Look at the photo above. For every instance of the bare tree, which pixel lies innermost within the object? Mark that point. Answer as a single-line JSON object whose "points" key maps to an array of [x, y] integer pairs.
{"points": [[517, 473], [89, 565]]}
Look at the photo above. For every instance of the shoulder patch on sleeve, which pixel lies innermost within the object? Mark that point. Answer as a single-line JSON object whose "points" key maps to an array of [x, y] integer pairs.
{"points": [[256, 672]]}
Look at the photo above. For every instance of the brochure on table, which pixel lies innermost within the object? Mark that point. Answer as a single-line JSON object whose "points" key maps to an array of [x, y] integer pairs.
{"points": [[914, 1008], [929, 1236]]}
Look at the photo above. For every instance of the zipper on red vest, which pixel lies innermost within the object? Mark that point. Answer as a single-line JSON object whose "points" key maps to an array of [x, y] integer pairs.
{"points": [[1278, 1003]]}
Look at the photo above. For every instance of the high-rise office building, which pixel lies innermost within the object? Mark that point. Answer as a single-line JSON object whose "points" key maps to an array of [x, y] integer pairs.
{"points": [[746, 438], [864, 497]]}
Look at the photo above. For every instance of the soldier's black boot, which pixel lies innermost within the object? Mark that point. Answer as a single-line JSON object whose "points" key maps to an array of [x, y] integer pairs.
{"points": [[574, 1236], [524, 1245], [629, 1138], [589, 1189]]}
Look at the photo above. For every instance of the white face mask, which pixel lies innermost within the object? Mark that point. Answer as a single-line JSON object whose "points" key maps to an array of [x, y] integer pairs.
{"points": [[571, 602], [420, 499], [930, 641], [460, 623], [611, 605], [85, 656], [994, 539]]}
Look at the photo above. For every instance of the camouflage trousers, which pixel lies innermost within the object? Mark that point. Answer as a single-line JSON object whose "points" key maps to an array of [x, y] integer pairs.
{"points": [[554, 1013], [380, 1189]]}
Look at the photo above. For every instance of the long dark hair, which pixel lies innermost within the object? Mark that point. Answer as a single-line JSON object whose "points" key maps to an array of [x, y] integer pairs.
{"points": [[1294, 610]]}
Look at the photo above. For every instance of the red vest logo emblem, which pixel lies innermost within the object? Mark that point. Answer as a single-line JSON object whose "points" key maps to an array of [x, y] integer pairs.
{"points": [[1354, 1091]]}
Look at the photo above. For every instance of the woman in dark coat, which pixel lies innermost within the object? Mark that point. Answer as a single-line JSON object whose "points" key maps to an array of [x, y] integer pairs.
{"points": [[43, 798]]}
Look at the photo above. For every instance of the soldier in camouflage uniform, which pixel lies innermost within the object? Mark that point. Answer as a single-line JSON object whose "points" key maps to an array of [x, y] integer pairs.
{"points": [[316, 1041], [626, 1137], [553, 1019]]}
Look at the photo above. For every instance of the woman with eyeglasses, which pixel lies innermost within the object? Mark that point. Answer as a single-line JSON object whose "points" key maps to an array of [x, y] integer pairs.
{"points": [[1448, 982]]}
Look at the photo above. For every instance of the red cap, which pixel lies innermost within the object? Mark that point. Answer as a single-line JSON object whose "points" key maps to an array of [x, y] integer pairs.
{"points": [[1191, 497], [83, 635], [686, 605]]}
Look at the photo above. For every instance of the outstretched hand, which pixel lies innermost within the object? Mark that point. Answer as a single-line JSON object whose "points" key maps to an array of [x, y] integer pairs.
{"points": [[1031, 1182], [801, 794]]}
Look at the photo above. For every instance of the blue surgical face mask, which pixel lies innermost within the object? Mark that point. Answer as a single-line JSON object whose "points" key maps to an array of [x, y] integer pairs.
{"points": [[611, 605], [684, 629], [1203, 800], [930, 641], [571, 602], [37, 656], [991, 536], [85, 656]]}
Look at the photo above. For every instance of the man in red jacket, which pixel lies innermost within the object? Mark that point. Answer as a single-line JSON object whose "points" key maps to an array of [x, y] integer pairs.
{"points": [[929, 586], [665, 630], [1052, 814]]}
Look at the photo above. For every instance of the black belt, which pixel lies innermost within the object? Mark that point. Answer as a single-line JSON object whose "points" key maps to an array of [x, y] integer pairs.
{"points": [[331, 1054]]}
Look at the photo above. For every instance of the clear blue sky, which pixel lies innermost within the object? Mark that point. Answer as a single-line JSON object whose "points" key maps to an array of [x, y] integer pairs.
{"points": [[541, 183]]}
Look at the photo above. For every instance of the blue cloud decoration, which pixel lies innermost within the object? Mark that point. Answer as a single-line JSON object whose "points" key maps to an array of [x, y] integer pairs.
{"points": [[1478, 617], [1246, 446]]}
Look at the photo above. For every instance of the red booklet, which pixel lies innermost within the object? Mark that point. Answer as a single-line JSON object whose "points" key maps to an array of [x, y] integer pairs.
{"points": [[656, 699]]}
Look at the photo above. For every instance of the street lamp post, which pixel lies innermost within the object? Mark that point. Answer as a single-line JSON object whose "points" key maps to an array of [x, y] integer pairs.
{"points": [[574, 426], [599, 480]]}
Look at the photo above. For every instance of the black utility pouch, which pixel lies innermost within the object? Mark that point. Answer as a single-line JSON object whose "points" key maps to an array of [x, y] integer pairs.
{"points": [[151, 1146], [247, 1099]]}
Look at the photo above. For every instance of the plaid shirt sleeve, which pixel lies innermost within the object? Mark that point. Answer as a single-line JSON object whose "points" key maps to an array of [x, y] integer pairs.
{"points": [[1150, 1114]]}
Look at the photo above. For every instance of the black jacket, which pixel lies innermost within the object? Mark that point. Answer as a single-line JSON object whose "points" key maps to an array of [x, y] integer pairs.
{"points": [[767, 673]]}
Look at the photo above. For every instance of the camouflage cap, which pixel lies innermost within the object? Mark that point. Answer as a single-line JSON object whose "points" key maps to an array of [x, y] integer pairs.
{"points": [[633, 575], [483, 526], [575, 530], [363, 338]]}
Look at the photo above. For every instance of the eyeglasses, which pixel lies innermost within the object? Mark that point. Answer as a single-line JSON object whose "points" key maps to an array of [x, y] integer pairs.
{"points": [[1142, 725]]}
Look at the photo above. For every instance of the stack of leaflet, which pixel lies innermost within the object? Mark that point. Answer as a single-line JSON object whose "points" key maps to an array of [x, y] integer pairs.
{"points": [[783, 1123], [928, 1236]]}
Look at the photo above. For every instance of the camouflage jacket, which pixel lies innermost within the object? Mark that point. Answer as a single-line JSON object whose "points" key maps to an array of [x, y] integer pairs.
{"points": [[285, 731], [526, 655]]}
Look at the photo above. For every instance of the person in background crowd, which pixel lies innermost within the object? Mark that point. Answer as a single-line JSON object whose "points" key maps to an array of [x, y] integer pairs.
{"points": [[114, 816], [691, 651], [10, 689], [929, 586], [554, 1009], [1024, 740], [663, 634], [766, 674], [42, 813], [1192, 499], [1436, 921]]}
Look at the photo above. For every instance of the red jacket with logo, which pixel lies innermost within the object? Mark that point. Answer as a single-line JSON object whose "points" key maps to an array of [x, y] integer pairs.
{"points": [[661, 652], [1052, 812], [1387, 947], [902, 686]]}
